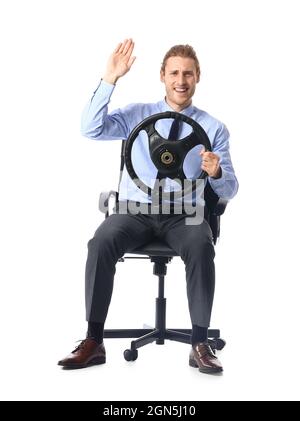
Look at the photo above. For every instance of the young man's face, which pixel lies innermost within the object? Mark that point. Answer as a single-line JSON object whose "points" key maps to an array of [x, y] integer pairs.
{"points": [[180, 78]]}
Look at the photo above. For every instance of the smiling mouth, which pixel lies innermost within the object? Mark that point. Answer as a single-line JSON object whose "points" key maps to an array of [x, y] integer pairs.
{"points": [[181, 90]]}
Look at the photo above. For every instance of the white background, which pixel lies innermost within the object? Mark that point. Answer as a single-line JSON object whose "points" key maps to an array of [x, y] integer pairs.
{"points": [[53, 54]]}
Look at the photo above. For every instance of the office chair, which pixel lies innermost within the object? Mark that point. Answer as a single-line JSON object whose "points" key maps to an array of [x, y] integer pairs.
{"points": [[160, 254]]}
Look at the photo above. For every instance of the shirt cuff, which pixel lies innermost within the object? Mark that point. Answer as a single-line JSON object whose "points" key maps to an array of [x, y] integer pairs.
{"points": [[104, 89], [218, 182]]}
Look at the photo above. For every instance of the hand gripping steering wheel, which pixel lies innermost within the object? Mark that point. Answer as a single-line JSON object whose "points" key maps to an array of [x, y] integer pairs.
{"points": [[168, 155]]}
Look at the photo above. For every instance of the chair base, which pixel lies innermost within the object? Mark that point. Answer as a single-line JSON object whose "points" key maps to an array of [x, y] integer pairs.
{"points": [[147, 336], [179, 335]]}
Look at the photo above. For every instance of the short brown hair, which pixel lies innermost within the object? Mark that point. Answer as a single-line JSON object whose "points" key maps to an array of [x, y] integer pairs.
{"points": [[181, 50]]}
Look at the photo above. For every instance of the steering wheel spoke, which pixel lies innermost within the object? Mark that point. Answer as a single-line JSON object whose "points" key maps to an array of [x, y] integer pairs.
{"points": [[177, 176], [154, 138], [189, 142]]}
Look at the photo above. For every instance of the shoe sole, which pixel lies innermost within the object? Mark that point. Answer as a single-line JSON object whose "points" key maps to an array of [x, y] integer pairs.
{"points": [[95, 361], [192, 363]]}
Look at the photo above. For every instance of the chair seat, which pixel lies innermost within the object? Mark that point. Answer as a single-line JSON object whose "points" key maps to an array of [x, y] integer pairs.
{"points": [[155, 248]]}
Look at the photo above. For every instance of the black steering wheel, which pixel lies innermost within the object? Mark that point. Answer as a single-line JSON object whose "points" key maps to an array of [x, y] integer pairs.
{"points": [[167, 154]]}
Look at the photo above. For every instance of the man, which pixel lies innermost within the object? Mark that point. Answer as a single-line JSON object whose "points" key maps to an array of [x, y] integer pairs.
{"points": [[180, 72]]}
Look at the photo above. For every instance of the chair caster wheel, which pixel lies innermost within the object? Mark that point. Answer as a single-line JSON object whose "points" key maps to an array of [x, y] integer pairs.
{"points": [[220, 343], [130, 355], [217, 344]]}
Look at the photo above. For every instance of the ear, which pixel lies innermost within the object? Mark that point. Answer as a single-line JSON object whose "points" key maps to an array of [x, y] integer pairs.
{"points": [[198, 77], [162, 76]]}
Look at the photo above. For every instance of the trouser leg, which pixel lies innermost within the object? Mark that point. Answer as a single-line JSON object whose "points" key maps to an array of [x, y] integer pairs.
{"points": [[195, 246], [115, 236]]}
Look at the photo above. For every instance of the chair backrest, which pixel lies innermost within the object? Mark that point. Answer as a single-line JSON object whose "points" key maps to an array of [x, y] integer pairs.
{"points": [[210, 197]]}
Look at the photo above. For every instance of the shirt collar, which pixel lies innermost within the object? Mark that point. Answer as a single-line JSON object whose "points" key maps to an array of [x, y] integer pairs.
{"points": [[164, 106]]}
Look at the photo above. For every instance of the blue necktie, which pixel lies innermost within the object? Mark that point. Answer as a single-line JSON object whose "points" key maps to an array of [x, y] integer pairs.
{"points": [[173, 135]]}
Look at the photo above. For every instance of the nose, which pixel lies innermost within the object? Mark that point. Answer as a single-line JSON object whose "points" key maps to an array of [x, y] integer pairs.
{"points": [[181, 79]]}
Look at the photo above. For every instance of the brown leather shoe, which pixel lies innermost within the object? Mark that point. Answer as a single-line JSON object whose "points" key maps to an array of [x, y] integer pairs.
{"points": [[88, 353], [202, 357]]}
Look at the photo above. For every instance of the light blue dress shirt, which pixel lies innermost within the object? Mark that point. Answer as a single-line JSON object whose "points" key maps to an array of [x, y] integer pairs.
{"points": [[98, 124]]}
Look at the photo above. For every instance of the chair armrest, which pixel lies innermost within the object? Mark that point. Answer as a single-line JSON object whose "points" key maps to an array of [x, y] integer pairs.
{"points": [[220, 207], [104, 200]]}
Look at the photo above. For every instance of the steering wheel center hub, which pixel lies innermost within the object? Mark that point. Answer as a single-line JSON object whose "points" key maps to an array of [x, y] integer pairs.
{"points": [[167, 158]]}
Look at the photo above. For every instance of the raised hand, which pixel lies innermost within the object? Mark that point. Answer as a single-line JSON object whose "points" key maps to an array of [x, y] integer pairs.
{"points": [[120, 61]]}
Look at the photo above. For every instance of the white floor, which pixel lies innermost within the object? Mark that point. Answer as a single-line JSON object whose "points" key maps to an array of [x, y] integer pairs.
{"points": [[160, 373]]}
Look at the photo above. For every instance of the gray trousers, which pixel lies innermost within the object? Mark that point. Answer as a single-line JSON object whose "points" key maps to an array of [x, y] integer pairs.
{"points": [[121, 233]]}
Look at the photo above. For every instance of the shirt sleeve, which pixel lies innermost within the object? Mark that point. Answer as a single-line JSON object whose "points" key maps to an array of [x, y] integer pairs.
{"points": [[227, 185], [96, 123]]}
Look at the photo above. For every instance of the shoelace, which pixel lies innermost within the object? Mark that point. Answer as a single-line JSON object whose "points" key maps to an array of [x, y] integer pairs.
{"points": [[209, 352], [80, 346]]}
